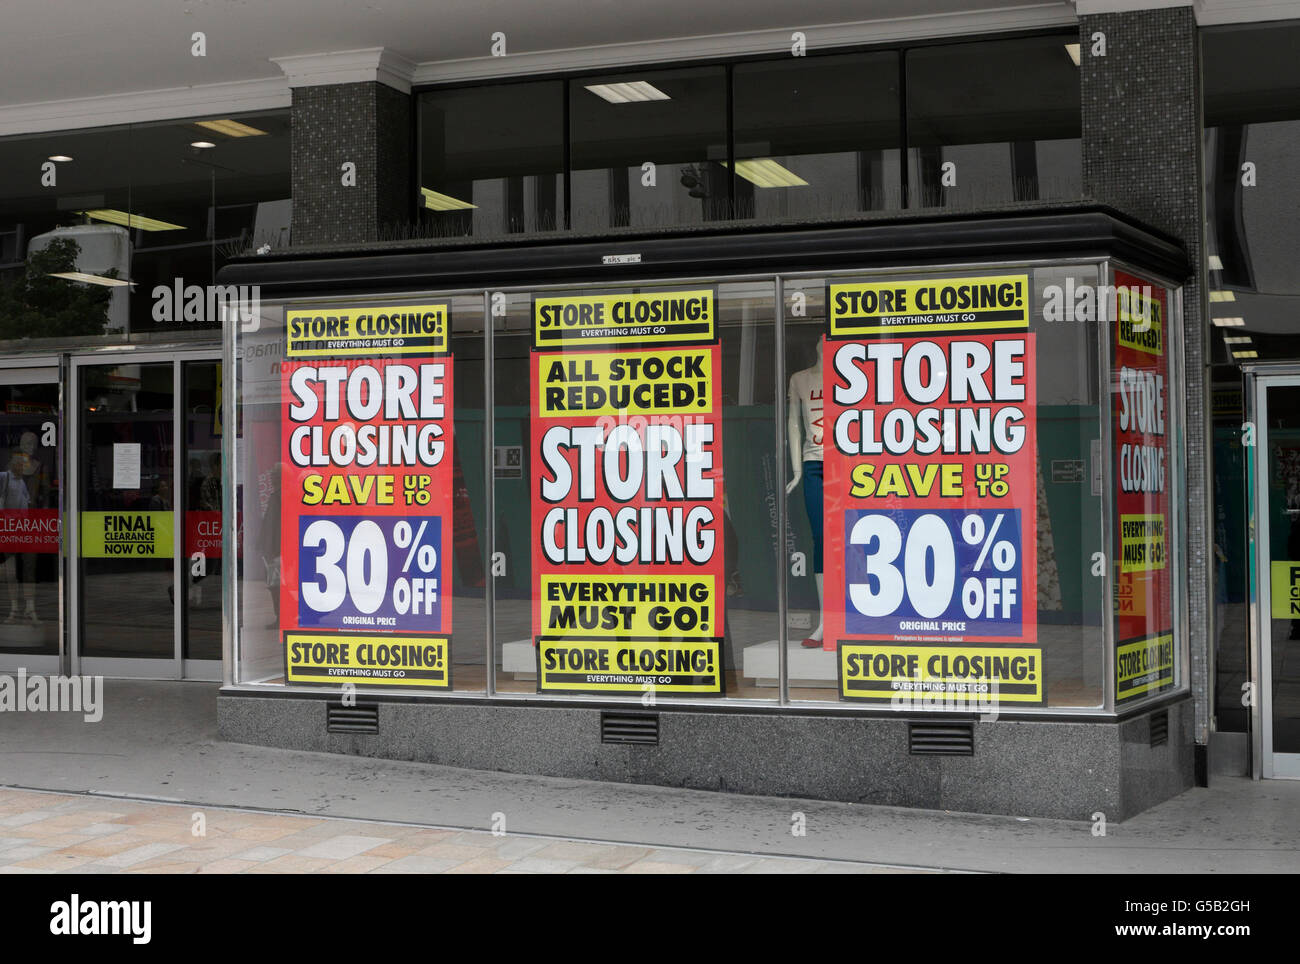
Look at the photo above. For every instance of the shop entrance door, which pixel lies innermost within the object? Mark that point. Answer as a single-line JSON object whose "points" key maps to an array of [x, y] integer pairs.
{"points": [[1274, 482], [31, 501], [145, 581]]}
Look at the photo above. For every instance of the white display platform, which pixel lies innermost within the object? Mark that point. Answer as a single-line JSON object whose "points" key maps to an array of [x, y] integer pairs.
{"points": [[806, 667], [517, 657]]}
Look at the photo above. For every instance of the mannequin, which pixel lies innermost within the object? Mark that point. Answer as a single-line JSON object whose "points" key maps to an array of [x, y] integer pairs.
{"points": [[804, 424], [14, 495]]}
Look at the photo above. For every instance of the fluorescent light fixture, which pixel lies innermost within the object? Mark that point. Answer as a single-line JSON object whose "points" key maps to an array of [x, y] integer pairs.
{"points": [[60, 158], [1223, 295], [444, 202], [202, 145], [1245, 354], [1236, 339], [1229, 322], [1074, 52], [1216, 263], [765, 172], [131, 220], [90, 279], [632, 92], [231, 128]]}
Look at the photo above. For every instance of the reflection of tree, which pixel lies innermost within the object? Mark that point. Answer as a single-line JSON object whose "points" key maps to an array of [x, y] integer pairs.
{"points": [[34, 305]]}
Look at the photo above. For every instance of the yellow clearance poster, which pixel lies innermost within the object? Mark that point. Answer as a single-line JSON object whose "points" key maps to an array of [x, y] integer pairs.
{"points": [[1284, 586], [126, 535]]}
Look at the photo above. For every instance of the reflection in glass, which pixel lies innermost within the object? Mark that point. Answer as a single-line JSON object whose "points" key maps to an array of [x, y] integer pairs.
{"points": [[993, 122], [492, 159], [817, 136], [650, 158], [29, 518], [201, 501]]}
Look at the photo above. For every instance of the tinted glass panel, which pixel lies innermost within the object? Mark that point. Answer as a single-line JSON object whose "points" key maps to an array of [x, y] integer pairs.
{"points": [[674, 120], [817, 135], [992, 123], [492, 159]]}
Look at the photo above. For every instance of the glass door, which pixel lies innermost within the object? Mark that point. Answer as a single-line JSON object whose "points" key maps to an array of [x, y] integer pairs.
{"points": [[126, 569], [146, 596], [1275, 484], [31, 498]]}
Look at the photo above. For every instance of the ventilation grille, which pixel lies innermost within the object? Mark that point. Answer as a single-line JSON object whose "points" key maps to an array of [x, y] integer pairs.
{"points": [[941, 739], [362, 718], [1159, 728], [630, 728]]}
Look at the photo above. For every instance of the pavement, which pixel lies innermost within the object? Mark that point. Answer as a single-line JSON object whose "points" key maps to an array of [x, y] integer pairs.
{"points": [[157, 744], [42, 832]]}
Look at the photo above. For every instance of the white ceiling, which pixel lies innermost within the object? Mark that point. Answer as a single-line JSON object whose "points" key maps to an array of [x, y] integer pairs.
{"points": [[55, 50]]}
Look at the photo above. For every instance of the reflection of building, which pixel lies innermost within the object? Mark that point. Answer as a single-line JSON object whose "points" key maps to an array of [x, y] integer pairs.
{"points": [[984, 143]]}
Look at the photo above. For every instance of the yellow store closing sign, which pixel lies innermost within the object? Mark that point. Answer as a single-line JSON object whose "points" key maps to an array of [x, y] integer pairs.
{"points": [[126, 535], [961, 305], [338, 658], [378, 330], [899, 673], [630, 665], [663, 317], [1144, 666]]}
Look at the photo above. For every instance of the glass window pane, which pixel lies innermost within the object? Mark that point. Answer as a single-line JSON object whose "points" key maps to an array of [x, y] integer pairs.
{"points": [[43, 230], [1144, 466], [195, 207], [993, 122], [1252, 116], [392, 480], [655, 509], [649, 148], [817, 136], [940, 521], [492, 159]]}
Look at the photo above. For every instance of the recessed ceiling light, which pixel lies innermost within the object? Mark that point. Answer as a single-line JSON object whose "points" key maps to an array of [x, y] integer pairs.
{"points": [[202, 145], [60, 158], [1223, 295], [444, 202], [1074, 52], [765, 172], [1245, 354], [131, 220], [90, 279], [230, 128], [1229, 322], [632, 92], [1236, 339], [1216, 263]]}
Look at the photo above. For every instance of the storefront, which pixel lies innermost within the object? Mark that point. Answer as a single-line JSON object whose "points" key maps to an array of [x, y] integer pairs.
{"points": [[114, 453], [877, 513]]}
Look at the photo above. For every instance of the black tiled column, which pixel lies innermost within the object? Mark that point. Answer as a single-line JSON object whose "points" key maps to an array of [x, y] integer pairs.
{"points": [[1142, 142], [369, 125]]}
